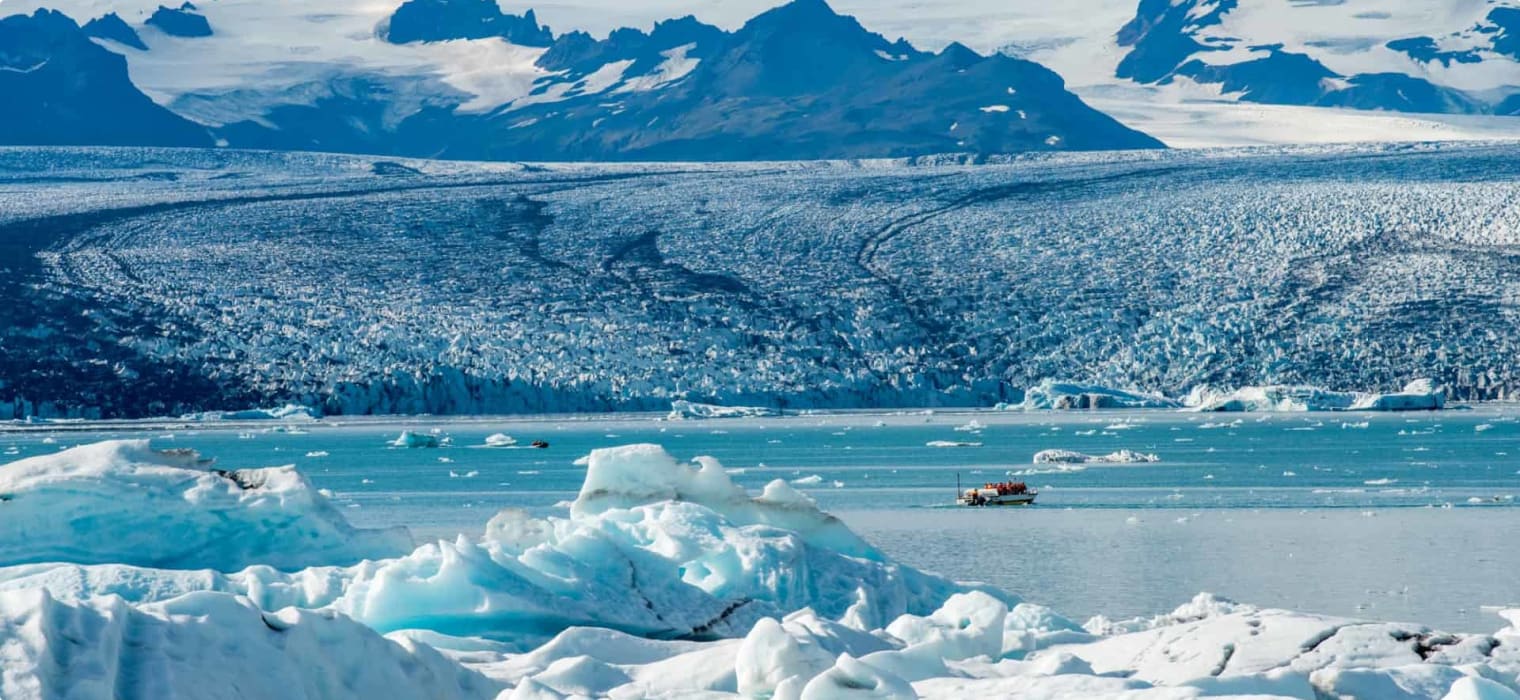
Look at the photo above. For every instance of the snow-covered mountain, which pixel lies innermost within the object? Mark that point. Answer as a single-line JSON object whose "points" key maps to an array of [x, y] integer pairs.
{"points": [[1454, 56], [464, 79], [56, 80]]}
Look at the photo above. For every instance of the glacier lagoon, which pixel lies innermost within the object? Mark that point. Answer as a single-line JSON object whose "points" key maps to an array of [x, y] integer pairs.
{"points": [[1370, 516]]}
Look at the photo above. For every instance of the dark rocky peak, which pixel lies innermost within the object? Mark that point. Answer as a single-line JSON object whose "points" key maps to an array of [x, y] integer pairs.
{"points": [[183, 21], [112, 27], [447, 20]]}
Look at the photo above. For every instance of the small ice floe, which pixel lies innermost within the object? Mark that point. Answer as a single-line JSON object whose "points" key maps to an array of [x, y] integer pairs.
{"points": [[951, 443], [813, 480], [1053, 469], [1208, 477], [1290, 473], [501, 440], [1121, 426], [1072, 457], [49, 441], [737, 471], [1483, 427], [1381, 482], [411, 440], [1360, 425], [773, 442], [1216, 426], [1085, 433], [1132, 521], [881, 424], [583, 461], [529, 472], [366, 481], [838, 484], [972, 427], [314, 454], [445, 460], [467, 475]]}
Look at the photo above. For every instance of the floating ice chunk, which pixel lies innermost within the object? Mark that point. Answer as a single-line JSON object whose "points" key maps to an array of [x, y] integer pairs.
{"points": [[1420, 395], [813, 480], [1053, 395], [1071, 457], [974, 426], [951, 444], [687, 410], [770, 656], [1471, 688], [966, 626], [288, 412], [851, 678], [500, 440], [123, 502], [212, 645], [411, 440], [316, 454]]}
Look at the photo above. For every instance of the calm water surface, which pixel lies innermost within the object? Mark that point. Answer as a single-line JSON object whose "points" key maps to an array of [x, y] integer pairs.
{"points": [[1407, 517]]}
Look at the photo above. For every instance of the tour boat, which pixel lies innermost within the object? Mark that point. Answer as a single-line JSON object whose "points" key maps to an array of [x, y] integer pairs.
{"points": [[1008, 493]]}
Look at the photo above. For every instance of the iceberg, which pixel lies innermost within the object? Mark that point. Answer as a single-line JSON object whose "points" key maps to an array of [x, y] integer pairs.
{"points": [[500, 440], [411, 440], [123, 502], [687, 410], [1419, 395], [288, 412], [1072, 457], [653, 547], [1050, 395]]}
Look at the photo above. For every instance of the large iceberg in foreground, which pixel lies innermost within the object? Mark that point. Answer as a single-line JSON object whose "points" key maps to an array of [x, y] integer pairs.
{"points": [[652, 547], [1050, 395], [1419, 395], [665, 581], [125, 503]]}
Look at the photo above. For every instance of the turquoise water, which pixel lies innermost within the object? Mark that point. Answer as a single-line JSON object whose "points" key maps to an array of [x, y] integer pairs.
{"points": [[1405, 517]]}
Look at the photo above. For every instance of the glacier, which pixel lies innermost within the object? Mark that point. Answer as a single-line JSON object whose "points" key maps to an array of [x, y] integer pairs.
{"points": [[606, 602], [183, 270]]}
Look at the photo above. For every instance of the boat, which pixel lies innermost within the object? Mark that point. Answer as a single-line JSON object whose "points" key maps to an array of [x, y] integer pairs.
{"points": [[1007, 493]]}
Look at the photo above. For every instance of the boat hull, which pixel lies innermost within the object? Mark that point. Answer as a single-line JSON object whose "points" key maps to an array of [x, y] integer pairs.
{"points": [[1023, 499]]}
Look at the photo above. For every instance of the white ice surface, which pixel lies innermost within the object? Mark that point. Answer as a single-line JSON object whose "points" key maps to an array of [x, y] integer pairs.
{"points": [[796, 607]]}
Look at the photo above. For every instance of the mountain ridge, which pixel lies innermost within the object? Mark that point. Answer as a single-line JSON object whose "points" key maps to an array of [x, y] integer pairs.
{"points": [[799, 81]]}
